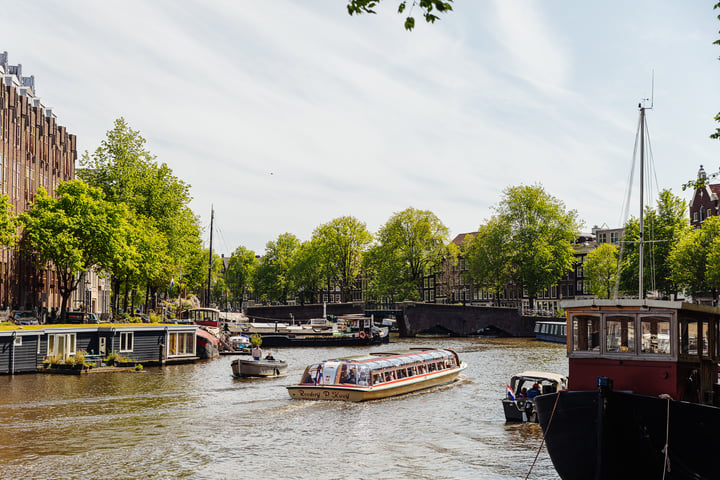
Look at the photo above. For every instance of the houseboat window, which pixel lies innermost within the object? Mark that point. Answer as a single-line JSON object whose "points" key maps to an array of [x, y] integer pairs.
{"points": [[690, 336], [655, 335], [126, 341], [586, 333], [620, 334], [181, 343], [61, 345], [18, 340]]}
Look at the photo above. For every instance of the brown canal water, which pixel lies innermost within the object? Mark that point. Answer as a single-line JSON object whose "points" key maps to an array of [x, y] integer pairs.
{"points": [[198, 422]]}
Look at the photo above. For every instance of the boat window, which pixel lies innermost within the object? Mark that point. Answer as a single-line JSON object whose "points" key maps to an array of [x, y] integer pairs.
{"points": [[620, 334], [586, 332], [690, 336], [655, 335], [363, 375]]}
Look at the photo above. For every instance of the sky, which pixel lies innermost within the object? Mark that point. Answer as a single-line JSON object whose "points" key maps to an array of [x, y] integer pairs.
{"points": [[284, 115]]}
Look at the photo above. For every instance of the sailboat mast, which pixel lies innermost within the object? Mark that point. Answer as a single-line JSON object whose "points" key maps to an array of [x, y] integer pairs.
{"points": [[212, 216], [641, 250]]}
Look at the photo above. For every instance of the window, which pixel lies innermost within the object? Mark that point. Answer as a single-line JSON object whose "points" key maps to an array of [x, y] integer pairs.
{"points": [[620, 334], [585, 333], [181, 344], [126, 341], [655, 335], [614, 237], [602, 237], [695, 216], [18, 341], [709, 213], [61, 345]]}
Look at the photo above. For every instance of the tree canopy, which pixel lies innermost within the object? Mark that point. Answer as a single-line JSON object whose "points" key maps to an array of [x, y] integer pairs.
{"points": [[76, 231], [8, 223], [488, 260], [541, 234], [601, 269]]}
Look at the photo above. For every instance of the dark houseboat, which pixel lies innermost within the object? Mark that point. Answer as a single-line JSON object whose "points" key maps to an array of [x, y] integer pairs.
{"points": [[643, 393]]}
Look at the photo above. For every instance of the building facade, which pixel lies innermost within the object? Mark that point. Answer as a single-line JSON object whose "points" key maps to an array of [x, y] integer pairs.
{"points": [[34, 152], [704, 203]]}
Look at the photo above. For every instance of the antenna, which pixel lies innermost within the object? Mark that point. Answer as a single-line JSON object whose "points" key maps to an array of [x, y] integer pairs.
{"points": [[652, 94]]}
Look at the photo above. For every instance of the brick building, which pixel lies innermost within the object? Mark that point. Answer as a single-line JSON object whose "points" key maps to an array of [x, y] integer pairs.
{"points": [[34, 152], [704, 203]]}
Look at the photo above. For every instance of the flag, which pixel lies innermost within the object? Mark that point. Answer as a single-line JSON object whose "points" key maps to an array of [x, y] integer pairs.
{"points": [[172, 284], [510, 393]]}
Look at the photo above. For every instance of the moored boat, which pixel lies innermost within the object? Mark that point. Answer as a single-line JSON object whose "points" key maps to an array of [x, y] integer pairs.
{"points": [[519, 401], [267, 367], [377, 375]]}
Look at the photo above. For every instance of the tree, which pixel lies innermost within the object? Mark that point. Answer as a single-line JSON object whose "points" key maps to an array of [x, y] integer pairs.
{"points": [[428, 8], [8, 223], [411, 245], [541, 237], [272, 277], [339, 245], [488, 258], [306, 272], [693, 260], [662, 228], [76, 231], [239, 274], [601, 268], [128, 173]]}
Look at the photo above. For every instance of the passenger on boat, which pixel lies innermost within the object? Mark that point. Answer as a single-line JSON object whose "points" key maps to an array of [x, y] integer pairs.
{"points": [[523, 392], [534, 391], [257, 352], [269, 356]]}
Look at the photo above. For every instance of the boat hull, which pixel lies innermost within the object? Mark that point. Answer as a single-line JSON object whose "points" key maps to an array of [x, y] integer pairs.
{"points": [[364, 393], [617, 435], [520, 410], [274, 341], [258, 368]]}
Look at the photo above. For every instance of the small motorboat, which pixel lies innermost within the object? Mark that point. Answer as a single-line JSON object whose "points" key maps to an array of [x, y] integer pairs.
{"points": [[266, 367], [519, 403]]}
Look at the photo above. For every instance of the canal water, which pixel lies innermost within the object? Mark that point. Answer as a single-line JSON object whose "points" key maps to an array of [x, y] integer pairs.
{"points": [[198, 422]]}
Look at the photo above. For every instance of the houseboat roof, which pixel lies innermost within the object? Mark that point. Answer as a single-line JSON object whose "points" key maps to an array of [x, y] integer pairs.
{"points": [[638, 304]]}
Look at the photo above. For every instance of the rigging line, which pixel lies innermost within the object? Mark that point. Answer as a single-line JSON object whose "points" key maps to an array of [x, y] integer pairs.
{"points": [[626, 207]]}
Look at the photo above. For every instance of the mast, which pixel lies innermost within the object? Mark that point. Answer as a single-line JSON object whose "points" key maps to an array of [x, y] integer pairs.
{"points": [[641, 250], [212, 216]]}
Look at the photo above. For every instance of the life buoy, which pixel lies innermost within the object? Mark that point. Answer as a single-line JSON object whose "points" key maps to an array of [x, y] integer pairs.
{"points": [[362, 335]]}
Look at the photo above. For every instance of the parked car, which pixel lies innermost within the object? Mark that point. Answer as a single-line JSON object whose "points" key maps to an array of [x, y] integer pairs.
{"points": [[24, 317], [82, 317]]}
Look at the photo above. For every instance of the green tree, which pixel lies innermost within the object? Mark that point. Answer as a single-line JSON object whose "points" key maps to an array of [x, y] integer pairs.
{"points": [[76, 231], [693, 260], [8, 223], [339, 245], [411, 245], [272, 277], [306, 272], [428, 7], [601, 268], [128, 173], [662, 227], [489, 261], [240, 272], [541, 237]]}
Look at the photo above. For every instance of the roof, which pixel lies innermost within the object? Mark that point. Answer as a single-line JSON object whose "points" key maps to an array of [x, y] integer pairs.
{"points": [[460, 238], [535, 374]]}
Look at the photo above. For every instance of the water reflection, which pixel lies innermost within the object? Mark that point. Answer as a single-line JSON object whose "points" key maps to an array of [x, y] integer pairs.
{"points": [[197, 421]]}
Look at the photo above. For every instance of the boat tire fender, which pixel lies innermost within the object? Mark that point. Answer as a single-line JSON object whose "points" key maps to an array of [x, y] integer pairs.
{"points": [[362, 335]]}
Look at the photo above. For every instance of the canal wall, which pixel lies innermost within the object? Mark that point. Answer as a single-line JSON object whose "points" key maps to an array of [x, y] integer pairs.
{"points": [[416, 318]]}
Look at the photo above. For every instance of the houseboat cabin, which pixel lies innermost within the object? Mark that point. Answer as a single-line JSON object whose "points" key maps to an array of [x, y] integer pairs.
{"points": [[377, 375], [209, 317]]}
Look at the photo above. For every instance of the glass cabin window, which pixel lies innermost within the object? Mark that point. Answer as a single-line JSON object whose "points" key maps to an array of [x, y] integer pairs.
{"points": [[620, 334], [690, 336], [655, 335], [586, 333]]}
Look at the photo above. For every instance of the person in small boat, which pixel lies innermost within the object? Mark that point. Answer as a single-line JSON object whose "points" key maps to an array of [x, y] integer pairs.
{"points": [[257, 352], [269, 356], [522, 393], [534, 391]]}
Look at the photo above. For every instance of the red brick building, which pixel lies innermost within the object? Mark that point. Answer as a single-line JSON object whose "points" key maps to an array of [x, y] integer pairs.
{"points": [[34, 152], [704, 203]]}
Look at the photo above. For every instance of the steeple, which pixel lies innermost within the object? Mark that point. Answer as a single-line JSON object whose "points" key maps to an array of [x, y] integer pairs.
{"points": [[701, 173]]}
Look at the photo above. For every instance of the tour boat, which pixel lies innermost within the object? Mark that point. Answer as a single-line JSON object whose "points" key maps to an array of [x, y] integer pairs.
{"points": [[377, 375], [519, 401]]}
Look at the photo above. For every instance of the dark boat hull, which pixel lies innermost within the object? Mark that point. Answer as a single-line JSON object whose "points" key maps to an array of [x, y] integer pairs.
{"points": [[318, 341], [615, 435]]}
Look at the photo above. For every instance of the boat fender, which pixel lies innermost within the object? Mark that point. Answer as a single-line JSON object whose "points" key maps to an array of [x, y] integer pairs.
{"points": [[520, 403], [362, 335]]}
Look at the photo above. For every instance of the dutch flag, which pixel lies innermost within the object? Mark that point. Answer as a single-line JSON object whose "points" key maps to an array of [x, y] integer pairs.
{"points": [[172, 284], [510, 393]]}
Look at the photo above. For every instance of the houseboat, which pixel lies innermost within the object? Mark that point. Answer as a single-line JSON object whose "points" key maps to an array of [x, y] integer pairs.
{"points": [[26, 349], [643, 394], [377, 375], [551, 331], [209, 317]]}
